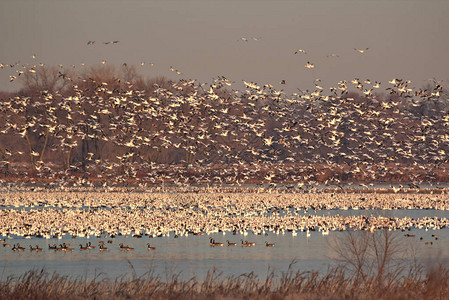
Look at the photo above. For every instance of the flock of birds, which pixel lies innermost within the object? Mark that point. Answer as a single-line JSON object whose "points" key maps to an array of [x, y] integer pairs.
{"points": [[53, 214], [105, 43], [120, 130], [116, 129], [32, 68], [65, 247]]}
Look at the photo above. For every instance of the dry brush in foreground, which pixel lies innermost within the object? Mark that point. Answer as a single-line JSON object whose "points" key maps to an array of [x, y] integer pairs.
{"points": [[335, 284]]}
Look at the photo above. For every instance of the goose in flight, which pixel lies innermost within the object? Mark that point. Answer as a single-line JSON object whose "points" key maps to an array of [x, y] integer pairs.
{"points": [[361, 50], [175, 70], [268, 141], [309, 65], [245, 39]]}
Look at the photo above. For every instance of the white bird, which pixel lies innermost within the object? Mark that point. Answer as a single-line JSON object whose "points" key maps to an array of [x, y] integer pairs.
{"points": [[361, 50], [309, 65], [268, 141]]}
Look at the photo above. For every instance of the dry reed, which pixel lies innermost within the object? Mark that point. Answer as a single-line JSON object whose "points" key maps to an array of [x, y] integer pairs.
{"points": [[336, 283]]}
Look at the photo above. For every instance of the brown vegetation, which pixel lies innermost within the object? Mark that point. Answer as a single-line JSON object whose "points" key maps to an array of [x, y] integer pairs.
{"points": [[335, 284]]}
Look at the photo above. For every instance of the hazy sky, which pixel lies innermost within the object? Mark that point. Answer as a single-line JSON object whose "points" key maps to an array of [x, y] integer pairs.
{"points": [[406, 39]]}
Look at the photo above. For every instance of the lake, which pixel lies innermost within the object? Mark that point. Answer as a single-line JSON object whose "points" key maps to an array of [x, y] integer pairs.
{"points": [[192, 255]]}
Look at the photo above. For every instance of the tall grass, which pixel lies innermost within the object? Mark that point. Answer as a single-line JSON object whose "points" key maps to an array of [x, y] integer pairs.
{"points": [[334, 284]]}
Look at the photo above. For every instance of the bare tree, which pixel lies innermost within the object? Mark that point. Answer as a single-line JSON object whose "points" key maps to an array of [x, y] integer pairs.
{"points": [[372, 259], [43, 78]]}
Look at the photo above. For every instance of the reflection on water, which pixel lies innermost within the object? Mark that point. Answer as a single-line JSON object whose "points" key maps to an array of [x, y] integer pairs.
{"points": [[192, 255]]}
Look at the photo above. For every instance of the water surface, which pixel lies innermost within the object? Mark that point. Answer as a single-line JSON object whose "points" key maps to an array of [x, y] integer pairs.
{"points": [[192, 256]]}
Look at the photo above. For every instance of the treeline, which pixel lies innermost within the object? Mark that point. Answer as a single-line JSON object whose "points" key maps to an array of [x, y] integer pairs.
{"points": [[111, 120]]}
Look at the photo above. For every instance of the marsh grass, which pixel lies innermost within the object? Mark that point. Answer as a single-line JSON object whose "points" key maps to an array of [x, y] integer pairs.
{"points": [[337, 283]]}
